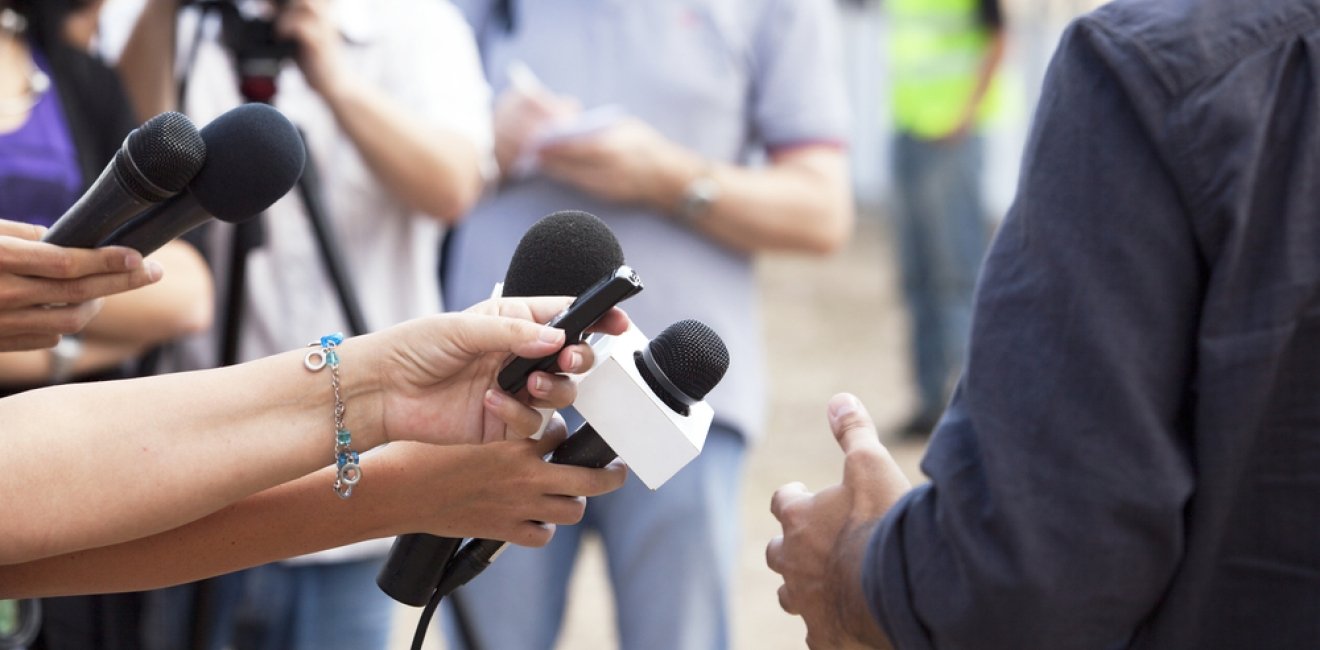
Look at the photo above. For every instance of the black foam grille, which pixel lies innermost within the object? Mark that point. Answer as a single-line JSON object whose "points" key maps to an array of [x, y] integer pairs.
{"points": [[167, 151], [692, 355], [563, 254], [254, 157]]}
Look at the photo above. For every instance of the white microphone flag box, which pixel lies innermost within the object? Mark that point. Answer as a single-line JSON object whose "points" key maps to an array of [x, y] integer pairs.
{"points": [[652, 438]]}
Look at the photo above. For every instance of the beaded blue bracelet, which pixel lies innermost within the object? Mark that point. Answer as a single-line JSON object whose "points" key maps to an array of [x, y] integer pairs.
{"points": [[350, 471]]}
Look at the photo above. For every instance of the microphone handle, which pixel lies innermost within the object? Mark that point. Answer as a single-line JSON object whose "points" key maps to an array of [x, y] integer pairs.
{"points": [[585, 448], [414, 567], [105, 206], [160, 225]]}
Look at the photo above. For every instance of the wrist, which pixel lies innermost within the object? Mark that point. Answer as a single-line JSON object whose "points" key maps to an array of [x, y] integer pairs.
{"points": [[678, 169], [854, 612], [362, 392]]}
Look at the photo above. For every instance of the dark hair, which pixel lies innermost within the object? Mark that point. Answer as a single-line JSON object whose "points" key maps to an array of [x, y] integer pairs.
{"points": [[45, 16]]}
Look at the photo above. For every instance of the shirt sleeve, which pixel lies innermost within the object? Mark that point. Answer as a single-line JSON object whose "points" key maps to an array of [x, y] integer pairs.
{"points": [[441, 75], [1054, 517], [799, 95]]}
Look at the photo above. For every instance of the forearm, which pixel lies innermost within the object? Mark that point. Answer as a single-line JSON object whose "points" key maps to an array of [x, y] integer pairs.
{"points": [[801, 202], [146, 64], [181, 303], [431, 169], [150, 454], [293, 519], [33, 367]]}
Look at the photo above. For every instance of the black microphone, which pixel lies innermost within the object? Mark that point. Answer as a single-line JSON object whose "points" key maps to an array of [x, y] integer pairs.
{"points": [[563, 254], [254, 157], [680, 366], [155, 162]]}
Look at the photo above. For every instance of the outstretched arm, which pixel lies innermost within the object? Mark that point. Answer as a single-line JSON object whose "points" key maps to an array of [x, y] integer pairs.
{"points": [[502, 490], [109, 462]]}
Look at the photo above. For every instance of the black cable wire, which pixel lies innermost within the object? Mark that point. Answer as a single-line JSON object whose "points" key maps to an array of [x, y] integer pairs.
{"points": [[425, 622]]}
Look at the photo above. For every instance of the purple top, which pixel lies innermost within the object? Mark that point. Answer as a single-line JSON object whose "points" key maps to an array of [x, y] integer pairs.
{"points": [[39, 173]]}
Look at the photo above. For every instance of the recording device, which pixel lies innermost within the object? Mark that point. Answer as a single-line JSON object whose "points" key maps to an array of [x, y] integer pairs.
{"points": [[679, 367], [156, 161], [258, 51], [566, 253], [254, 157]]}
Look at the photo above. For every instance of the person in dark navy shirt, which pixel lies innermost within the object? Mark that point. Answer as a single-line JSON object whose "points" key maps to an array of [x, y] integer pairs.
{"points": [[1130, 460]]}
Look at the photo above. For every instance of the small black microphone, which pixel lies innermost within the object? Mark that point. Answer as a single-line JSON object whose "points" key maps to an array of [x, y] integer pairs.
{"points": [[564, 254], [680, 366], [156, 161], [254, 157]]}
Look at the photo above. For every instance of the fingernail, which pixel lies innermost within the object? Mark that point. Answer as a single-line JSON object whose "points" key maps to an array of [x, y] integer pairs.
{"points": [[551, 334], [539, 383], [847, 405], [154, 270], [131, 261], [494, 398], [575, 361]]}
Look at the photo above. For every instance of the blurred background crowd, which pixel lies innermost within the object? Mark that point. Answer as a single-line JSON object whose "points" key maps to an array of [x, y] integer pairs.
{"points": [[836, 168]]}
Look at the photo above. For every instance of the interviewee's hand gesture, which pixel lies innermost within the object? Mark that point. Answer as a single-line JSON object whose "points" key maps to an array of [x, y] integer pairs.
{"points": [[438, 374], [825, 535], [48, 290]]}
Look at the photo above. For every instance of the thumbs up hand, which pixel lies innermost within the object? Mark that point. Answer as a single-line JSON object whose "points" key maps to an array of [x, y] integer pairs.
{"points": [[826, 534]]}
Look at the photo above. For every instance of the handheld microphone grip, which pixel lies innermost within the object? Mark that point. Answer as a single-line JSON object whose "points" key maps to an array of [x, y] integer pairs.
{"points": [[413, 583], [156, 162], [585, 448], [583, 313]]}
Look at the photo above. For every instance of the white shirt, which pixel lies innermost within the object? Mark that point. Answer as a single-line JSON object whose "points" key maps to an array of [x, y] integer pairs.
{"points": [[421, 54]]}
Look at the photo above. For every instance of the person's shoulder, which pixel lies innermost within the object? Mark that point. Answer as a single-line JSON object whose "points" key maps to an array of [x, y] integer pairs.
{"points": [[1187, 41]]}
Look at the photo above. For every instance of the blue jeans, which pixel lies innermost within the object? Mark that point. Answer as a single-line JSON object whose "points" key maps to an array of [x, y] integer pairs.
{"points": [[942, 235], [670, 553], [278, 607]]}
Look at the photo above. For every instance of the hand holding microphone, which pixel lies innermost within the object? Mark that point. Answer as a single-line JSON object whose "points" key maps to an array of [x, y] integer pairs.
{"points": [[679, 367], [35, 276], [563, 254]]}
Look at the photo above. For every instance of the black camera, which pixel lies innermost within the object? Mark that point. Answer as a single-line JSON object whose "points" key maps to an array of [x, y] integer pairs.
{"points": [[258, 51]]}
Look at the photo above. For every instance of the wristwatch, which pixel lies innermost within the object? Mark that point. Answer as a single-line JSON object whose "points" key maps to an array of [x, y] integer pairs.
{"points": [[63, 357], [698, 198]]}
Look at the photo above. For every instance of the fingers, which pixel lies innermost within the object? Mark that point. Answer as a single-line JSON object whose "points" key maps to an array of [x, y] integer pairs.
{"points": [[786, 602], [852, 424], [28, 342], [785, 496], [774, 552], [551, 391], [520, 419], [532, 533], [478, 334], [556, 432], [46, 323], [28, 231], [35, 258]]}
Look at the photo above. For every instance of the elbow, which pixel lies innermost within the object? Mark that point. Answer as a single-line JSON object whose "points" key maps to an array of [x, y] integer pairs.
{"points": [[835, 230], [450, 201], [197, 318]]}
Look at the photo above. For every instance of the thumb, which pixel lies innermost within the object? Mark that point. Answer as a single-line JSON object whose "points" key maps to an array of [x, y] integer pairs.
{"points": [[479, 334], [852, 424], [868, 469]]}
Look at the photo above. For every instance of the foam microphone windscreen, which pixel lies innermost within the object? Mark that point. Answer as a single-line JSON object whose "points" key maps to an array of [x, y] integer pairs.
{"points": [[254, 155], [563, 254], [166, 152]]}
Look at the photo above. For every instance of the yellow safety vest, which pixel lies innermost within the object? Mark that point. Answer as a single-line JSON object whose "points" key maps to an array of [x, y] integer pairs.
{"points": [[935, 52]]}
